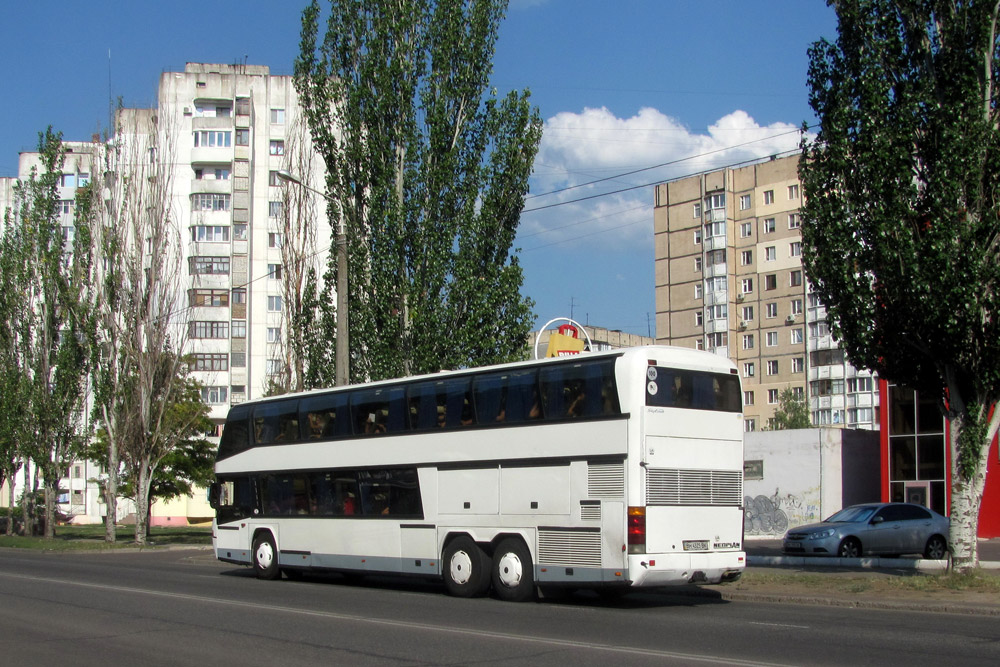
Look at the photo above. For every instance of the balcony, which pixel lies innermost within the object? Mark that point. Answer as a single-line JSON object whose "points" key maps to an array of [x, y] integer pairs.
{"points": [[713, 270], [715, 242], [712, 298]]}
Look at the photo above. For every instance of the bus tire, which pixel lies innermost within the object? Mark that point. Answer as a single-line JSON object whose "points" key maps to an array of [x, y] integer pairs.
{"points": [[265, 557], [512, 572], [466, 568]]}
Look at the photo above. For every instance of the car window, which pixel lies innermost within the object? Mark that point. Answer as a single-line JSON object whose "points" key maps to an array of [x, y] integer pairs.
{"points": [[853, 514], [913, 513], [893, 513]]}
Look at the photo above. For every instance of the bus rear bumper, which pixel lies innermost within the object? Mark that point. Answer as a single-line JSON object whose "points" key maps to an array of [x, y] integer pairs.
{"points": [[678, 569]]}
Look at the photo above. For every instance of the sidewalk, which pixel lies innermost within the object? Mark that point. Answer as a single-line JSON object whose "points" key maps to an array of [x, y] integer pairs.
{"points": [[767, 553]]}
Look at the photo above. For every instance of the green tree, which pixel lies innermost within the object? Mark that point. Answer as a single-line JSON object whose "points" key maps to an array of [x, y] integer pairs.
{"points": [[427, 170], [900, 222], [54, 280], [792, 412]]}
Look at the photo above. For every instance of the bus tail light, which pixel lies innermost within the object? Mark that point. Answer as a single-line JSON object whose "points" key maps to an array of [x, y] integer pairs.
{"points": [[637, 530]]}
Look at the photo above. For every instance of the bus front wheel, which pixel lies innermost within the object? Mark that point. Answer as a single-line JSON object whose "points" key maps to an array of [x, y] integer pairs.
{"points": [[466, 568], [265, 557], [512, 573]]}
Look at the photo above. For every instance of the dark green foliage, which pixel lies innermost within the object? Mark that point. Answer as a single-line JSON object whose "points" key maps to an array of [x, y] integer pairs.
{"points": [[792, 412], [428, 170], [901, 224]]}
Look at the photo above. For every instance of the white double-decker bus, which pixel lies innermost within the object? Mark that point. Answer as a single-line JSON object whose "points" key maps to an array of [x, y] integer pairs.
{"points": [[613, 469]]}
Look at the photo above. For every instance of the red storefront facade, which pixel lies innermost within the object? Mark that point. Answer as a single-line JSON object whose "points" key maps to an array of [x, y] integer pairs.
{"points": [[915, 462]]}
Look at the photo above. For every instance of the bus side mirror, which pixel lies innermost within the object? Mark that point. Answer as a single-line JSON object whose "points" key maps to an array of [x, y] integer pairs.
{"points": [[213, 495]]}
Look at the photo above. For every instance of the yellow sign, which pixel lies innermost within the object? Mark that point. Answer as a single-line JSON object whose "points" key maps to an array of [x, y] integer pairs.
{"points": [[561, 345]]}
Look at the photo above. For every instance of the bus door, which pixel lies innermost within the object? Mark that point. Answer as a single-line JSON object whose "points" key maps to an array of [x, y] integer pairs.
{"points": [[235, 503]]}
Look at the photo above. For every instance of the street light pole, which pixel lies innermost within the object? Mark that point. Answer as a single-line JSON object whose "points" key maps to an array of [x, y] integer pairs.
{"points": [[342, 363]]}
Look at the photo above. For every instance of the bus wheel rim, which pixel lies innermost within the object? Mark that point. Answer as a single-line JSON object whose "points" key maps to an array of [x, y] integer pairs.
{"points": [[509, 570], [460, 567], [264, 555]]}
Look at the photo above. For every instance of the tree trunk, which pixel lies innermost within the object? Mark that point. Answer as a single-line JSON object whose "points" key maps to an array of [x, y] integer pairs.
{"points": [[142, 505], [27, 525], [51, 495], [10, 514], [966, 498]]}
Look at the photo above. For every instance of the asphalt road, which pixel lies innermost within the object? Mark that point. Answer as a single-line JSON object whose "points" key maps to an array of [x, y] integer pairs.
{"points": [[183, 608]]}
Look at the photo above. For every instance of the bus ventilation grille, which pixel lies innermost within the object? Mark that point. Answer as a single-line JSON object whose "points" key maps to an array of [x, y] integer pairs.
{"points": [[606, 480], [571, 548], [719, 488]]}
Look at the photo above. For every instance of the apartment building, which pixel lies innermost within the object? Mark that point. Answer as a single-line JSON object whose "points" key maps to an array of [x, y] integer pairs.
{"points": [[224, 133], [729, 279]]}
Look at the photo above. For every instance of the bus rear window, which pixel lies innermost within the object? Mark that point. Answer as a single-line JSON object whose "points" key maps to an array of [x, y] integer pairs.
{"points": [[676, 388]]}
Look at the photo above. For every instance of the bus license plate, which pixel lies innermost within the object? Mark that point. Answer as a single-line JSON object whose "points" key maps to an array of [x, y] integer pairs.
{"points": [[695, 545]]}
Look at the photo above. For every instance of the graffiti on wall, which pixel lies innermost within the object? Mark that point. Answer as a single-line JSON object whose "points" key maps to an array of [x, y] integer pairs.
{"points": [[765, 515]]}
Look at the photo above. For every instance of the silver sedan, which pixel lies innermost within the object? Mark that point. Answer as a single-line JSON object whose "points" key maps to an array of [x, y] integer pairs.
{"points": [[886, 529]]}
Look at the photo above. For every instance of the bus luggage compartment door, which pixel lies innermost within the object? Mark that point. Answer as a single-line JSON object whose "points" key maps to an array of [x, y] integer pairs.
{"points": [[613, 556]]}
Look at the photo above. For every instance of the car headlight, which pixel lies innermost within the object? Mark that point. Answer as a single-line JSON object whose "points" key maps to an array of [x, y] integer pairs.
{"points": [[820, 534]]}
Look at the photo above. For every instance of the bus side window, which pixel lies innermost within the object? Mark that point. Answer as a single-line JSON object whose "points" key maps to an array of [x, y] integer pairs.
{"points": [[488, 398], [236, 435]]}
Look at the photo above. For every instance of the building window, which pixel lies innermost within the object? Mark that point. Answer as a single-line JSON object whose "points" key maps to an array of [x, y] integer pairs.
{"points": [[771, 281], [699, 344], [748, 372], [239, 360], [211, 362], [793, 191], [242, 106], [859, 385], [210, 233], [64, 206], [274, 209], [239, 231], [798, 364], [274, 272], [212, 139], [273, 179], [239, 329], [794, 221], [795, 278], [717, 200], [276, 147], [209, 329], [274, 334], [274, 304], [748, 341], [744, 202], [819, 329], [215, 395], [697, 290], [717, 340], [746, 229], [796, 336], [277, 116], [859, 415], [243, 137], [273, 240], [274, 367], [795, 249], [771, 339], [697, 237], [796, 307], [67, 181], [207, 265], [746, 285], [749, 425], [208, 298], [209, 201], [769, 225], [718, 312], [748, 398], [746, 257], [768, 197], [772, 396], [697, 263], [772, 367], [770, 310], [222, 174], [699, 318], [770, 253], [697, 210], [828, 387], [747, 314], [239, 295], [715, 228], [716, 258]]}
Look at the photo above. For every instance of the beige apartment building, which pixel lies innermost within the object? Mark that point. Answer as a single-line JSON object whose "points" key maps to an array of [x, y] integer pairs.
{"points": [[729, 279]]}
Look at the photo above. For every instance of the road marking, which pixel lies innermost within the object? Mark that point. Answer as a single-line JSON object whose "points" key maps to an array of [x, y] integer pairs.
{"points": [[780, 625], [256, 606]]}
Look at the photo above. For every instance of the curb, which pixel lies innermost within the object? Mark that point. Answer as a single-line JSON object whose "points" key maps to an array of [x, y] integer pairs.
{"points": [[919, 564]]}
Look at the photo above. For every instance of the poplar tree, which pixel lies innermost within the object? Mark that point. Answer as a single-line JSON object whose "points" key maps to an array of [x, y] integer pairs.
{"points": [[427, 168], [901, 223]]}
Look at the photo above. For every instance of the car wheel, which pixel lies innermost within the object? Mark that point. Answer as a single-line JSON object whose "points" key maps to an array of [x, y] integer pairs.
{"points": [[849, 548], [265, 557], [512, 572], [466, 568], [936, 549]]}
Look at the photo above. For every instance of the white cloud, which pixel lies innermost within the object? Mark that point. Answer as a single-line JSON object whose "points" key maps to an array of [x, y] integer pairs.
{"points": [[579, 148]]}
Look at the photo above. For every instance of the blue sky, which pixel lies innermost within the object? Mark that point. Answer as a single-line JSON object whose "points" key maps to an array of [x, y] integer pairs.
{"points": [[621, 86]]}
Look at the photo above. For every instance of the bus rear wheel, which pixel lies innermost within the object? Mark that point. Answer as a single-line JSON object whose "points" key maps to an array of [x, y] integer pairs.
{"points": [[466, 568], [512, 573], [265, 557]]}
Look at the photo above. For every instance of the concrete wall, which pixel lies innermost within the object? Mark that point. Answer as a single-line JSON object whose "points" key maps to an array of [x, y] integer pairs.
{"points": [[808, 475]]}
